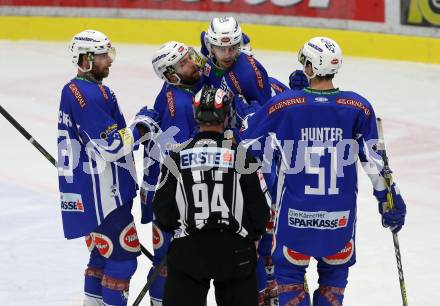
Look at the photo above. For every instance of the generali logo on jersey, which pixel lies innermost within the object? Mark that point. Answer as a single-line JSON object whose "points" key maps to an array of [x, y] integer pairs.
{"points": [[286, 103]]}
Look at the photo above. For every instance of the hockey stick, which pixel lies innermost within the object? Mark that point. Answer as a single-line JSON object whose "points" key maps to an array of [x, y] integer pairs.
{"points": [[388, 183], [150, 281], [27, 136], [46, 154]]}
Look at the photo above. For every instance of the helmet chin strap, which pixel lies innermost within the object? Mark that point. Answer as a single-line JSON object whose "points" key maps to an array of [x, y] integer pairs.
{"points": [[309, 77], [87, 69], [90, 60]]}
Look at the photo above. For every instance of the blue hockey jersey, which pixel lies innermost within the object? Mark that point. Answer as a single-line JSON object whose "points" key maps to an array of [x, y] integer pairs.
{"points": [[319, 136], [277, 86], [174, 105], [96, 170], [246, 77]]}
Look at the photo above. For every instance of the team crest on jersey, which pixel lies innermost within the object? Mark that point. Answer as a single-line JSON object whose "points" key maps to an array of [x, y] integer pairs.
{"points": [[343, 256], [71, 202], [129, 238], [77, 94], [103, 244], [170, 102], [157, 237], [295, 257], [354, 103], [286, 103], [321, 220]]}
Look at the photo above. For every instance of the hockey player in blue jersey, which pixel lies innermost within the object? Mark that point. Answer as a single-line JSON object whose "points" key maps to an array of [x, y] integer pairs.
{"points": [[320, 133], [225, 32], [232, 66], [229, 68], [175, 63], [97, 178], [245, 45]]}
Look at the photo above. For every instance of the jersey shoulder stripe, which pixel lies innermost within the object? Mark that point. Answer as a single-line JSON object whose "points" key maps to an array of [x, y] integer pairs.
{"points": [[171, 103], [235, 82], [79, 97], [258, 74], [104, 93]]}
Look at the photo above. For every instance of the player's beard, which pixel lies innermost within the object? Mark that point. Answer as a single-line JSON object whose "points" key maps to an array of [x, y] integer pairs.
{"points": [[192, 79], [100, 73]]}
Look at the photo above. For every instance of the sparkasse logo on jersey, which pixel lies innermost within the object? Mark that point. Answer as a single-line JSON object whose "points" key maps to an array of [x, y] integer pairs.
{"points": [[322, 220], [71, 202]]}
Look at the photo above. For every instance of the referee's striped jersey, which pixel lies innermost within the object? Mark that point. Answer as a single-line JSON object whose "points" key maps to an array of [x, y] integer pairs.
{"points": [[211, 184]]}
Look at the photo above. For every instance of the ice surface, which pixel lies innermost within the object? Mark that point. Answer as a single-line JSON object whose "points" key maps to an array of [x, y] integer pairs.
{"points": [[39, 267]]}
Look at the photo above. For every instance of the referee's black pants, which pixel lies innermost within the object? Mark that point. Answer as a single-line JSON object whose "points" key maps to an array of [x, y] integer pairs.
{"points": [[221, 255]]}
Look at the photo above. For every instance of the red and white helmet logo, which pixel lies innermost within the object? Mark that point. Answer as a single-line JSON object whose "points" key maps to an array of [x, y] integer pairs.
{"points": [[103, 244], [157, 237], [296, 258], [343, 256], [129, 238]]}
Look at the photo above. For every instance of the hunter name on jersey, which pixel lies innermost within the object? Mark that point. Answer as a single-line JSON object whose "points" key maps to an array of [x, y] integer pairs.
{"points": [[206, 157], [321, 134], [318, 219]]}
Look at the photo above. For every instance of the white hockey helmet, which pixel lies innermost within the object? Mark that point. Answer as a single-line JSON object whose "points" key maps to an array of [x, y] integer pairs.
{"points": [[223, 32], [165, 59], [90, 42], [323, 53]]}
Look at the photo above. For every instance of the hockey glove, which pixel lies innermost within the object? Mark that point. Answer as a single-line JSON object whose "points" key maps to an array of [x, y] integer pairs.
{"points": [[298, 80], [393, 218], [145, 121], [244, 110]]}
